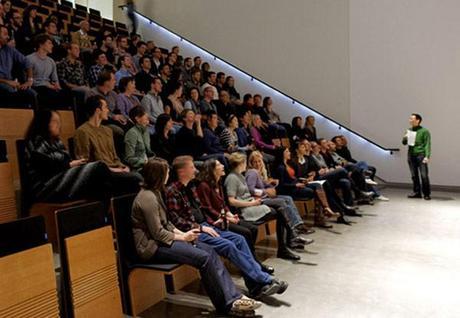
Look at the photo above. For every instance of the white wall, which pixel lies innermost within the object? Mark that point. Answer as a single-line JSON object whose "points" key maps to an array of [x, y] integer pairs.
{"points": [[405, 57], [370, 62], [271, 40]]}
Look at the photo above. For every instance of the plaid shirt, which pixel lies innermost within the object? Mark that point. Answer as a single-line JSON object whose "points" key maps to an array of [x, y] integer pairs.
{"points": [[72, 73], [179, 206], [94, 73]]}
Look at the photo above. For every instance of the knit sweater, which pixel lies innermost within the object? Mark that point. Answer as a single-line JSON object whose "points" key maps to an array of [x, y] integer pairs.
{"points": [[422, 144]]}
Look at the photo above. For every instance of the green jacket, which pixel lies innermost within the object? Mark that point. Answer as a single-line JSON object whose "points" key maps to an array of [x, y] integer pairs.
{"points": [[422, 142], [137, 147]]}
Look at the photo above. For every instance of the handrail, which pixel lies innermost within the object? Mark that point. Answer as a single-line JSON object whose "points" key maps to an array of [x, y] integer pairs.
{"points": [[294, 100]]}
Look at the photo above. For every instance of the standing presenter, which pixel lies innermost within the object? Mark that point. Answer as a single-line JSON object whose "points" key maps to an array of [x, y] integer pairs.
{"points": [[418, 139]]}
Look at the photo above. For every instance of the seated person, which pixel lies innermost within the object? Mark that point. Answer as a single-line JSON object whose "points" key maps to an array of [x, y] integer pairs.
{"points": [[124, 68], [144, 77], [297, 131], [224, 107], [101, 62], [126, 100], [137, 140], [289, 184], [71, 73], [229, 136], [173, 104], [183, 208], [358, 182], [212, 202], [158, 240], [152, 102], [211, 78], [261, 136], [193, 102], [306, 169], [229, 86], [54, 176], [11, 90], [211, 139], [164, 140], [46, 81], [310, 129], [105, 85], [207, 104], [94, 142], [252, 209], [81, 37], [261, 185], [190, 139]]}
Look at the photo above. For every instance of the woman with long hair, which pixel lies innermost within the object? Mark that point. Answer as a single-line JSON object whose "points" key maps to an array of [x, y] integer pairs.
{"points": [[300, 189], [53, 175], [251, 208], [212, 199], [306, 169], [258, 181], [157, 239], [164, 140]]}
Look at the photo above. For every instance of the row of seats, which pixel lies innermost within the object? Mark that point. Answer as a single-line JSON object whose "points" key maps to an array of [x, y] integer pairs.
{"points": [[96, 281]]}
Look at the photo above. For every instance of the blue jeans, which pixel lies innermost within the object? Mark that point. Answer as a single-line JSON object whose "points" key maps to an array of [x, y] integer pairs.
{"points": [[216, 280], [234, 247], [286, 206]]}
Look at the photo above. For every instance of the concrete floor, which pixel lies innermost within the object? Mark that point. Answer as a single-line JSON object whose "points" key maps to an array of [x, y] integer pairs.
{"points": [[401, 260]]}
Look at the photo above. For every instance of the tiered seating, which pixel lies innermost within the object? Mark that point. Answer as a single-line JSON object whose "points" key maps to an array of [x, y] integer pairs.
{"points": [[143, 284], [28, 286], [88, 263]]}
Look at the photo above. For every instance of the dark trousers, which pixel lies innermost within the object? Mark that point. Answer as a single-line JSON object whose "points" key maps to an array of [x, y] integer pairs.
{"points": [[53, 99], [11, 97], [419, 169], [248, 230], [89, 181], [125, 182], [216, 280]]}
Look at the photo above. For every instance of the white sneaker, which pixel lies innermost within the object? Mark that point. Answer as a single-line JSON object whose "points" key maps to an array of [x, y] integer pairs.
{"points": [[371, 182], [382, 198]]}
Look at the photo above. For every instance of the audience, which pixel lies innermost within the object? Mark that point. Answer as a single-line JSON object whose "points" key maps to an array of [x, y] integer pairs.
{"points": [[53, 175], [218, 129], [184, 212], [156, 238], [94, 142], [252, 209]]}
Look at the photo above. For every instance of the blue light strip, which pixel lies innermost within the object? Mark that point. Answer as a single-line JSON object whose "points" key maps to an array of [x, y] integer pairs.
{"points": [[261, 83]]}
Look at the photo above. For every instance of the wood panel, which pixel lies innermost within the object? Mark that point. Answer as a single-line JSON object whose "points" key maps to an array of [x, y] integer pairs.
{"points": [[13, 126], [28, 284], [93, 274], [48, 210], [67, 126], [146, 288], [8, 210]]}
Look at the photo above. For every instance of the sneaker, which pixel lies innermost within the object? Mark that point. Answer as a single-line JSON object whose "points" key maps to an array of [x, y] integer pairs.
{"points": [[245, 304], [371, 182], [382, 198], [427, 197]]}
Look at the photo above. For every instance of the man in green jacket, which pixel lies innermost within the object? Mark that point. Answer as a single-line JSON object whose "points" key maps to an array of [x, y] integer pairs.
{"points": [[418, 139]]}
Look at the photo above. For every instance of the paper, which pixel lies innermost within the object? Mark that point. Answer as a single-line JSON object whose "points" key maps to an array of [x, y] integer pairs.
{"points": [[320, 182], [411, 137]]}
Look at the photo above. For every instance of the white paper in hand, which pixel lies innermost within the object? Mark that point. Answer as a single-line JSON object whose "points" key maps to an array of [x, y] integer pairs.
{"points": [[411, 137]]}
